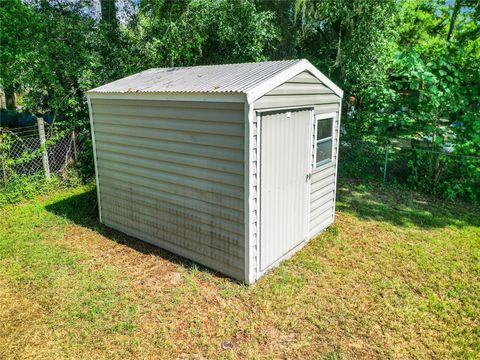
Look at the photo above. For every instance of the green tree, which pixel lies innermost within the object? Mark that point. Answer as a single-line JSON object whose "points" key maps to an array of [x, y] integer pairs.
{"points": [[18, 27], [200, 32], [352, 41], [45, 54]]}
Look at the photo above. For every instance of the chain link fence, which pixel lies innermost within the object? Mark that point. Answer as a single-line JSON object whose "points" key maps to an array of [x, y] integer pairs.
{"points": [[443, 172], [38, 148]]}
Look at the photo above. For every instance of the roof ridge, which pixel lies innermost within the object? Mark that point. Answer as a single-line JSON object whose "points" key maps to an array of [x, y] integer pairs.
{"points": [[242, 63]]}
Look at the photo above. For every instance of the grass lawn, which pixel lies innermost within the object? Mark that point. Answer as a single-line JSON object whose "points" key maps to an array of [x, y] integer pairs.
{"points": [[397, 276]]}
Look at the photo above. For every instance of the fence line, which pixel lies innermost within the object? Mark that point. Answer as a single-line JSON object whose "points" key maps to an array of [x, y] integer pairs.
{"points": [[425, 169], [47, 150], [447, 153]]}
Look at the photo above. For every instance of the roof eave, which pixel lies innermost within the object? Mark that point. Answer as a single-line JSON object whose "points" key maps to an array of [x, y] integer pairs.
{"points": [[170, 96]]}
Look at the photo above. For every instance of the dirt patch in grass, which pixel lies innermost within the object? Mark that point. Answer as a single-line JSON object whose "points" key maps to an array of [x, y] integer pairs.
{"points": [[146, 266], [391, 279]]}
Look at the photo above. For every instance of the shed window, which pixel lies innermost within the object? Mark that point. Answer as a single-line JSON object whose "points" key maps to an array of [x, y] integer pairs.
{"points": [[324, 141]]}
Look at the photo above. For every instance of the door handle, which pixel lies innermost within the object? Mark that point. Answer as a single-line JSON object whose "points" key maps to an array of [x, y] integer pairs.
{"points": [[309, 176]]}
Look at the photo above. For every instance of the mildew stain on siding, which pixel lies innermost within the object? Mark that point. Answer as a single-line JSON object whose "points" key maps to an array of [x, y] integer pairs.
{"points": [[171, 173]]}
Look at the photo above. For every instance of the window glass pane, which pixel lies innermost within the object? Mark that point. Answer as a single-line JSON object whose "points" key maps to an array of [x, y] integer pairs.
{"points": [[324, 128], [324, 151]]}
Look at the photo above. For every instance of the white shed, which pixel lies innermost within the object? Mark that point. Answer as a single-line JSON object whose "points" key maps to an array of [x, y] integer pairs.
{"points": [[231, 166]]}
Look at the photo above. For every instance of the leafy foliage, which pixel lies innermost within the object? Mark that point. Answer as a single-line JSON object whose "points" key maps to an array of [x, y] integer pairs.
{"points": [[410, 69], [26, 187], [200, 32], [352, 41], [430, 100]]}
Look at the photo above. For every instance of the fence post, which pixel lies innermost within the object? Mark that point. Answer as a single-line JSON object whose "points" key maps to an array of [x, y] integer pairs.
{"points": [[385, 165], [74, 141], [4, 168], [41, 133]]}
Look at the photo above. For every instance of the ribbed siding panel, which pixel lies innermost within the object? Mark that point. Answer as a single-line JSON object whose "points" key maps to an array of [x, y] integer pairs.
{"points": [[276, 101], [326, 108], [170, 221], [189, 126], [318, 211], [151, 233], [326, 221], [229, 142], [304, 90], [306, 78], [172, 169], [165, 108], [300, 88], [175, 158], [172, 174], [160, 146], [323, 179], [322, 193], [166, 193]]}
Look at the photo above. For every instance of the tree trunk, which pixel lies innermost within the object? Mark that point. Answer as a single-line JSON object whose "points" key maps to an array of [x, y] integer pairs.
{"points": [[111, 38], [285, 47], [109, 24], [10, 100], [453, 19], [338, 58], [338, 65], [436, 156], [109, 13]]}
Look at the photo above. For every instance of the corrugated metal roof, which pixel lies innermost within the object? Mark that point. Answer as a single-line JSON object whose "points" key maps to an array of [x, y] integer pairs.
{"points": [[239, 78]]}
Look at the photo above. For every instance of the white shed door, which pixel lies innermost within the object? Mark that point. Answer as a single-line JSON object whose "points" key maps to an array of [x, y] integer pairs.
{"points": [[285, 157]]}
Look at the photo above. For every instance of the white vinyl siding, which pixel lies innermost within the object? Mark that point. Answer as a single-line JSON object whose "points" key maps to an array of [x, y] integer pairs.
{"points": [[306, 90], [172, 173], [312, 92], [322, 195]]}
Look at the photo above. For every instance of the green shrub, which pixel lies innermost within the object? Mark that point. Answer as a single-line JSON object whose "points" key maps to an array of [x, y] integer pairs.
{"points": [[25, 187]]}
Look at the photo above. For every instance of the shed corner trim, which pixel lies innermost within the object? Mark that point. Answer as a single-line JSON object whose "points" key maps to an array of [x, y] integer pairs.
{"points": [[92, 129]]}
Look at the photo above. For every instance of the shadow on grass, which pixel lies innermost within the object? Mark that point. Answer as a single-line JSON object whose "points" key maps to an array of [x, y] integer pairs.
{"points": [[370, 202], [82, 209], [401, 207]]}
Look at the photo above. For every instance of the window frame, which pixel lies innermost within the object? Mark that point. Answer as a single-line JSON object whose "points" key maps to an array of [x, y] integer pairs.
{"points": [[319, 117]]}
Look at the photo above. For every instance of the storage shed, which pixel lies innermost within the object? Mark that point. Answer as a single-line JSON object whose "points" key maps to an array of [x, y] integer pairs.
{"points": [[231, 166]]}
